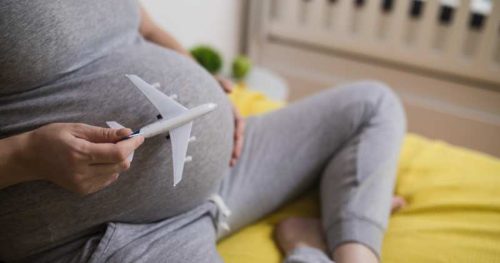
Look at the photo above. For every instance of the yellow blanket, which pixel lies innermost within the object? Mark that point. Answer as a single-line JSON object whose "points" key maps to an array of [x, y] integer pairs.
{"points": [[453, 212]]}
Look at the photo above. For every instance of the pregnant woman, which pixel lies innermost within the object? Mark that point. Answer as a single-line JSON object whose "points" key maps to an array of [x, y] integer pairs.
{"points": [[68, 193]]}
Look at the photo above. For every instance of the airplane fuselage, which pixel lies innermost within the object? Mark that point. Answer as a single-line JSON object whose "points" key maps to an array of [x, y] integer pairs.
{"points": [[163, 126]]}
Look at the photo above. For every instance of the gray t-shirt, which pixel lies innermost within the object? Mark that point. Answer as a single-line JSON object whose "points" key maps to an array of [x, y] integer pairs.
{"points": [[65, 61]]}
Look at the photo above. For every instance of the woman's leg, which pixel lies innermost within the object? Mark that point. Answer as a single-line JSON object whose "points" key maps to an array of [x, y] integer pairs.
{"points": [[350, 136]]}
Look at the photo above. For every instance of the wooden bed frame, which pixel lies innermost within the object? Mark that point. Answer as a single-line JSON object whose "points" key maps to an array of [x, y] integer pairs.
{"points": [[446, 68]]}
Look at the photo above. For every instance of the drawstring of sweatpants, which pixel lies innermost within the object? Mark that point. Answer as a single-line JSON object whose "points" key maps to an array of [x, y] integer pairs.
{"points": [[223, 212]]}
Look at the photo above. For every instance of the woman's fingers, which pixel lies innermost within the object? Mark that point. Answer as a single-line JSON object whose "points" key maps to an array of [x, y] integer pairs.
{"points": [[98, 176], [239, 131], [398, 202], [84, 177], [107, 153], [107, 169], [96, 183], [226, 84], [99, 134], [104, 159], [238, 140]]}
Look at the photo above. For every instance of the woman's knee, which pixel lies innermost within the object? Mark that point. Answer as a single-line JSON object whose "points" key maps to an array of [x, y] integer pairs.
{"points": [[371, 91], [378, 98]]}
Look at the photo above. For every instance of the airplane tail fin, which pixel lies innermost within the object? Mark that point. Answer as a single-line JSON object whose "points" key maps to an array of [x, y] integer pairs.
{"points": [[116, 125]]}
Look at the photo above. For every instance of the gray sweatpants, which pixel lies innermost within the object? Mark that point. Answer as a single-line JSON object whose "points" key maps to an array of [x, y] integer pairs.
{"points": [[346, 140]]}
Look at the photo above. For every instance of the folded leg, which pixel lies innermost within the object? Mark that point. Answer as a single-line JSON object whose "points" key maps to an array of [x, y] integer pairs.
{"points": [[346, 138]]}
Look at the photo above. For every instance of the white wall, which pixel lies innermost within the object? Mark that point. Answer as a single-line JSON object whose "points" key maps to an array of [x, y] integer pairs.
{"points": [[213, 22]]}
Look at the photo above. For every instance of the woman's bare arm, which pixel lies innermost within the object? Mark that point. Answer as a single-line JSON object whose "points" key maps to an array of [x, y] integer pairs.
{"points": [[79, 157], [152, 32]]}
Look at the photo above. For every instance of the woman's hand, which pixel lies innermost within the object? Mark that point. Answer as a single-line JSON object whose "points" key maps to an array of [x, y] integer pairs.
{"points": [[79, 157], [239, 123]]}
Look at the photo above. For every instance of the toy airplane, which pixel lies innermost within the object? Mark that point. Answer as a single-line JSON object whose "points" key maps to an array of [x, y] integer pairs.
{"points": [[175, 119]]}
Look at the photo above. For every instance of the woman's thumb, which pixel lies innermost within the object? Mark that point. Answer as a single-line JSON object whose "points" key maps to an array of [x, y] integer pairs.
{"points": [[104, 135]]}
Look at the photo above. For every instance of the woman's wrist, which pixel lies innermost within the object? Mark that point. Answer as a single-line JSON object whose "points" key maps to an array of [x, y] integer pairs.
{"points": [[14, 167]]}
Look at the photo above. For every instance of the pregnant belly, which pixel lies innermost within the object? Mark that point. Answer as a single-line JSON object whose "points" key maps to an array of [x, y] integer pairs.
{"points": [[99, 93]]}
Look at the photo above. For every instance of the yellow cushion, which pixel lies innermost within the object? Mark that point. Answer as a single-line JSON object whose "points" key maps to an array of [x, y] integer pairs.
{"points": [[453, 211], [251, 102]]}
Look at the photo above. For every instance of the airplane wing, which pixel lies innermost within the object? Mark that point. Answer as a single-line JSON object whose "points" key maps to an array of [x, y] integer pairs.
{"points": [[180, 140], [167, 107], [116, 125]]}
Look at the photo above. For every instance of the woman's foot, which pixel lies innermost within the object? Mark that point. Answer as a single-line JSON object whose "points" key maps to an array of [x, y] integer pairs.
{"points": [[398, 202], [294, 232]]}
